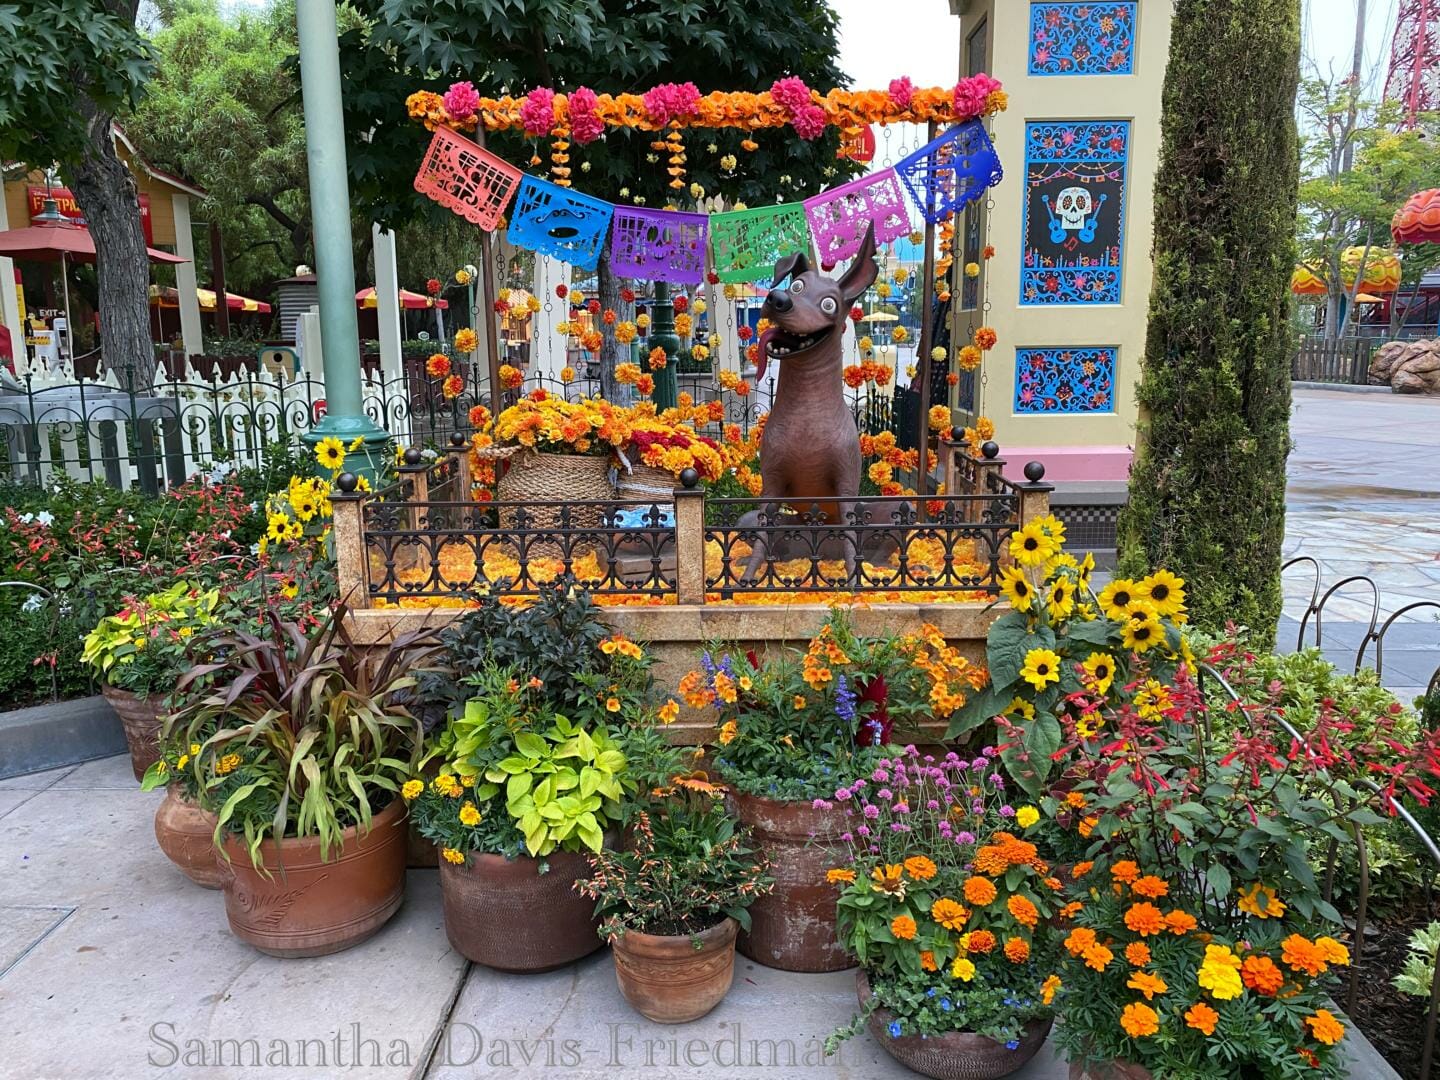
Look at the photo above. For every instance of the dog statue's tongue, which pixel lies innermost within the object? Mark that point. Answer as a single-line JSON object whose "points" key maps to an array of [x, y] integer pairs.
{"points": [[763, 349]]}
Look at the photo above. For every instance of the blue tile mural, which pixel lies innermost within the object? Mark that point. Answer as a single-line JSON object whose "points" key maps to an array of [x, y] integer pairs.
{"points": [[1073, 217], [1082, 38], [1065, 380]]}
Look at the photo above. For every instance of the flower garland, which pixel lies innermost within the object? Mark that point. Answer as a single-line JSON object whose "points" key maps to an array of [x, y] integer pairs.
{"points": [[584, 115]]}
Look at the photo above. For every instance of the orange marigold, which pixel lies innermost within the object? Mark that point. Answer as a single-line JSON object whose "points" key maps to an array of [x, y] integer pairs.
{"points": [[985, 337], [1150, 886], [1098, 957], [1261, 974], [1080, 939], [1325, 1027], [903, 927], [1070, 910], [1087, 826], [1139, 1020], [1180, 923], [927, 961], [1137, 953], [1202, 1018], [1125, 870], [979, 941], [920, 868], [1080, 869], [1145, 919], [438, 366], [1024, 910], [1302, 954], [979, 891], [1017, 950]]}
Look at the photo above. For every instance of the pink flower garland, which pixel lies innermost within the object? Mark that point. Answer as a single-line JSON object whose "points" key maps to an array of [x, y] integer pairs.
{"points": [[671, 101], [461, 101], [585, 123], [792, 95], [538, 113], [971, 95], [901, 91]]}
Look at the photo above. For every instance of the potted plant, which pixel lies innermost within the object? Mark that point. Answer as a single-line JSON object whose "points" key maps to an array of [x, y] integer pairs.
{"points": [[948, 907], [672, 899], [140, 653], [522, 793], [1198, 939], [184, 829], [787, 731], [305, 741]]}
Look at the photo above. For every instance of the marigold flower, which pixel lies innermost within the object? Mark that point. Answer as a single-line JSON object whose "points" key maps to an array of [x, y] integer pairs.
{"points": [[927, 961], [1027, 816], [1261, 902], [1080, 869], [1147, 983], [438, 366], [840, 875], [978, 941], [452, 856], [1024, 910], [1139, 1020], [1017, 950], [1220, 973], [1048, 989], [1325, 1027], [963, 968], [412, 789], [979, 891], [1125, 870], [1333, 951], [1301, 954], [903, 927], [1261, 974], [1098, 957], [985, 338], [1137, 954], [1080, 939], [469, 815], [1150, 886], [1202, 1018], [1180, 923]]}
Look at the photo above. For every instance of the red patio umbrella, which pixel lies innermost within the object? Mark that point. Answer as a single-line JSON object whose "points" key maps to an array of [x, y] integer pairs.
{"points": [[365, 298]]}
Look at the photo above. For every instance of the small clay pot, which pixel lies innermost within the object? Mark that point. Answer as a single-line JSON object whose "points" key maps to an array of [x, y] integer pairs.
{"points": [[667, 979], [186, 835], [141, 718], [956, 1055], [313, 907], [793, 927], [1109, 1070], [505, 914]]}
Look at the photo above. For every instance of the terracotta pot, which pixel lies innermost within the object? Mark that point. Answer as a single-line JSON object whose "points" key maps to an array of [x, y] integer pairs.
{"points": [[793, 927], [958, 1055], [186, 835], [669, 980], [140, 717], [420, 853], [312, 907], [1109, 1070], [505, 914]]}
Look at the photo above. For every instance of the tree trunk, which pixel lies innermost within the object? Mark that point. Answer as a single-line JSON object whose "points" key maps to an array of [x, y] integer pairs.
{"points": [[1207, 492], [105, 191]]}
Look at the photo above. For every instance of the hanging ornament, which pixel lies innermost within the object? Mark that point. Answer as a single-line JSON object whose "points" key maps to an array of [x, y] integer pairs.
{"points": [[560, 162]]}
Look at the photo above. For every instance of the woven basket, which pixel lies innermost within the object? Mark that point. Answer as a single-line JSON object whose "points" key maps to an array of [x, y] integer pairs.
{"points": [[567, 478], [646, 484]]}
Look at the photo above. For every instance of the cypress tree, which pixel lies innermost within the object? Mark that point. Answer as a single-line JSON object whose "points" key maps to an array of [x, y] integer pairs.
{"points": [[1207, 490]]}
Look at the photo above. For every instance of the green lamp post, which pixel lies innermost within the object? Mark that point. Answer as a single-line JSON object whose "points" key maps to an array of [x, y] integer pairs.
{"points": [[345, 417], [662, 335]]}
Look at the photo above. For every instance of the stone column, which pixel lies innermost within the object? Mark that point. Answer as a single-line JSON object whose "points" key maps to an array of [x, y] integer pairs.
{"points": [[191, 338], [387, 301]]}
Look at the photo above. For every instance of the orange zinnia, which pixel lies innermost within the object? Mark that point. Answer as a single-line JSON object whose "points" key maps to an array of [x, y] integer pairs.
{"points": [[979, 891], [903, 927], [927, 961], [920, 868], [1202, 1018], [1137, 953], [948, 913], [834, 877], [1145, 919], [1024, 910], [981, 941], [1260, 974]]}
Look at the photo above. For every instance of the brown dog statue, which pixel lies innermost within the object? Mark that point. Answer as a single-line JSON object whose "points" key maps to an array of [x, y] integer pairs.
{"points": [[810, 454]]}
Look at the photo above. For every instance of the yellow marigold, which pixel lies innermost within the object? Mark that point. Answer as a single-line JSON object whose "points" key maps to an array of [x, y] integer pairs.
{"points": [[1220, 973], [412, 789], [920, 868], [840, 875], [903, 927], [1049, 988], [1139, 1020], [1027, 816], [567, 374], [948, 913], [728, 731], [1325, 1027], [466, 339], [1333, 951], [452, 856], [939, 417], [979, 891], [900, 335], [963, 968], [469, 815]]}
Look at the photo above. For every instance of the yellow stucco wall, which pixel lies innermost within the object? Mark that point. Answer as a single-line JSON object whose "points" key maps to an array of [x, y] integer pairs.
{"points": [[1135, 98], [162, 212]]}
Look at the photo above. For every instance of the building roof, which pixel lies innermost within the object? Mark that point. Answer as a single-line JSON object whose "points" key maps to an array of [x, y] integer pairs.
{"points": [[158, 175]]}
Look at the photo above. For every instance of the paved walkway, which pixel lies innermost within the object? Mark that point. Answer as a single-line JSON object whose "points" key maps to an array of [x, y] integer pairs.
{"points": [[115, 967], [1364, 499]]}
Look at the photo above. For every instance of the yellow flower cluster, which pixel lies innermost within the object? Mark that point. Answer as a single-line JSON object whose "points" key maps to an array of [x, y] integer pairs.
{"points": [[565, 427]]}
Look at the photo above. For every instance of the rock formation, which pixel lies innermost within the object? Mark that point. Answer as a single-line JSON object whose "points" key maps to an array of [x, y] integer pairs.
{"points": [[1409, 367]]}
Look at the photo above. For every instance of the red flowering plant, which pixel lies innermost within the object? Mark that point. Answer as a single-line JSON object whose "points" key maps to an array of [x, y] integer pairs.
{"points": [[944, 902], [1199, 940]]}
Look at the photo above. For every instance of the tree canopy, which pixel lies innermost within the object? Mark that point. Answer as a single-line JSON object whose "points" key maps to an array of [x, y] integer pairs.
{"points": [[609, 46]]}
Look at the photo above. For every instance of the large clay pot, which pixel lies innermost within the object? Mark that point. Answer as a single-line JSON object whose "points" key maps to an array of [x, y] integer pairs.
{"points": [[958, 1055], [186, 835], [1109, 1070], [793, 927], [311, 907], [505, 914], [140, 717], [668, 979]]}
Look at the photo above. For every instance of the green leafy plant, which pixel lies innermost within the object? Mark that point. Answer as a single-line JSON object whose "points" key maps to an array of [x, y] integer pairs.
{"points": [[147, 645], [1418, 971], [302, 734]]}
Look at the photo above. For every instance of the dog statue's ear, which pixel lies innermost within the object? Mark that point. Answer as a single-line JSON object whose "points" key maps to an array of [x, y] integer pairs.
{"points": [[863, 269], [790, 265]]}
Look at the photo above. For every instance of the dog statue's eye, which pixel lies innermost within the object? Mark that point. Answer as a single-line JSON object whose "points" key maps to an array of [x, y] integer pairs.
{"points": [[797, 286], [828, 305]]}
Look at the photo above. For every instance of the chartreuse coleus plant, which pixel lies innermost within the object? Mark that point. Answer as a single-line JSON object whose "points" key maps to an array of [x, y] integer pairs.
{"points": [[517, 778], [1063, 638]]}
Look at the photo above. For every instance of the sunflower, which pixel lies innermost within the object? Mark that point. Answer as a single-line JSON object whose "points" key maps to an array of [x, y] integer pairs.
{"points": [[1061, 602], [1017, 588], [1020, 709], [1042, 667], [1143, 631], [1163, 591], [330, 452], [1032, 545], [1100, 667], [1117, 598]]}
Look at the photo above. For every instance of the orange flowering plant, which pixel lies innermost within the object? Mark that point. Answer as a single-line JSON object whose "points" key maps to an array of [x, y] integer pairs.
{"points": [[1201, 941], [946, 905]]}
